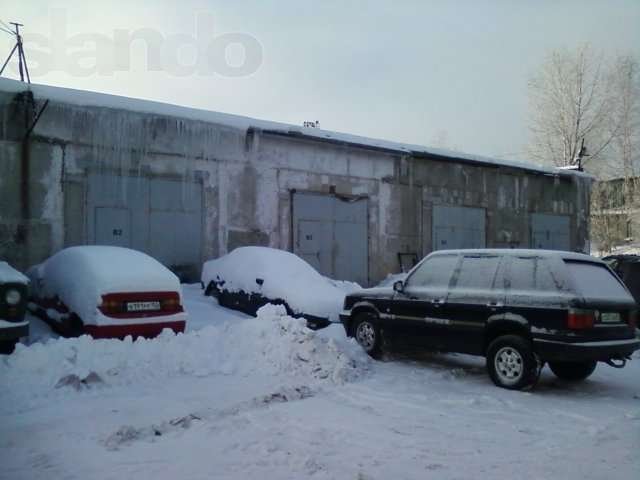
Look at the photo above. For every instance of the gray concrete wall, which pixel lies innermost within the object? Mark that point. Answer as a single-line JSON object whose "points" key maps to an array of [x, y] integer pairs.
{"points": [[247, 183]]}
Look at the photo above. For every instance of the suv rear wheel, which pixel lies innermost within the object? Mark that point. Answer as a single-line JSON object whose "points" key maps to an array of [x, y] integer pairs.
{"points": [[572, 371], [511, 363], [367, 334]]}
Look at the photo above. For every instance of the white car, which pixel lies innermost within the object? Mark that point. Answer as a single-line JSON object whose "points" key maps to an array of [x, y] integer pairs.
{"points": [[106, 292], [250, 277]]}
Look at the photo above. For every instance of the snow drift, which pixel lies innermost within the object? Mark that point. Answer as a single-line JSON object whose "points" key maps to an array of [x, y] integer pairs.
{"points": [[271, 344]]}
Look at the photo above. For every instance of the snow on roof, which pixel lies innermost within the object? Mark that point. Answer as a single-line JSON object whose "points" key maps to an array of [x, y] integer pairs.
{"points": [[8, 274], [538, 252], [95, 99]]}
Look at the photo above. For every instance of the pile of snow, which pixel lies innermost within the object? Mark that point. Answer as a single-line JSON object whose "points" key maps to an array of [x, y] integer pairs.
{"points": [[344, 285], [8, 274], [283, 275], [79, 276], [271, 344]]}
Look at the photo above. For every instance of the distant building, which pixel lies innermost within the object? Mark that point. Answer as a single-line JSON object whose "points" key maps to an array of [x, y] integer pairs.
{"points": [[187, 185], [615, 218]]}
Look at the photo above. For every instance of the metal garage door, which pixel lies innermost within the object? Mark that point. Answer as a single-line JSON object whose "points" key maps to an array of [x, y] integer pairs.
{"points": [[331, 234], [458, 227], [550, 232], [161, 217], [175, 221]]}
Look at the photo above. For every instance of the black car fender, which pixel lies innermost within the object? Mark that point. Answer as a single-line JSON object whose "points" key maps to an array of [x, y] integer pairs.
{"points": [[506, 323], [360, 307]]}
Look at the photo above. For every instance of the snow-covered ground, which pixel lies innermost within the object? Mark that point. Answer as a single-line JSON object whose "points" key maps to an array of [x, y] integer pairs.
{"points": [[240, 397]]}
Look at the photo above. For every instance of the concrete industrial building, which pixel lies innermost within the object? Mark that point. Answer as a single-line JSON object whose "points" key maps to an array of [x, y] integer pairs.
{"points": [[188, 185]]}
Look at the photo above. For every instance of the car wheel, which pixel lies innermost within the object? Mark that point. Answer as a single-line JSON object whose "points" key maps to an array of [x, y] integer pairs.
{"points": [[572, 371], [211, 290], [74, 326], [367, 334], [511, 363], [7, 347]]}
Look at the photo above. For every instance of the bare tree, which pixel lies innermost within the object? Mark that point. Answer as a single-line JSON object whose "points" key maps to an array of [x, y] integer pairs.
{"points": [[571, 102], [577, 96], [625, 126]]}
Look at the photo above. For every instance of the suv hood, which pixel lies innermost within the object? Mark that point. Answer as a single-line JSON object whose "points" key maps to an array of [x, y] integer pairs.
{"points": [[375, 292]]}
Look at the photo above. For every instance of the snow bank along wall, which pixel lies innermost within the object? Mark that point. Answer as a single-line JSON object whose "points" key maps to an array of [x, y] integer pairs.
{"points": [[187, 185]]}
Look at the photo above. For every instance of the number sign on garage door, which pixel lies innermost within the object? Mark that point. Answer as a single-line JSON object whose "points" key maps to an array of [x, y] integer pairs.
{"points": [[162, 217], [330, 233], [458, 227], [550, 232]]}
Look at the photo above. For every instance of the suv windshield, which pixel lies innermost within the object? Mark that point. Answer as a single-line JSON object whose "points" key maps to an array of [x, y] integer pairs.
{"points": [[594, 280]]}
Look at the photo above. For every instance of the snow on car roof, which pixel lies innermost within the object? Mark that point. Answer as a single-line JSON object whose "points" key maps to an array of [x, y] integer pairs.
{"points": [[522, 251], [284, 275], [8, 274], [95, 99], [80, 275]]}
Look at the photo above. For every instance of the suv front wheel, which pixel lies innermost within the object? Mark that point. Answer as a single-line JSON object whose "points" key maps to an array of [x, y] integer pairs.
{"points": [[367, 334], [572, 371], [511, 363]]}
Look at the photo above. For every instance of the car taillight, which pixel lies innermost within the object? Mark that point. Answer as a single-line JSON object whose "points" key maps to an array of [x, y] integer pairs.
{"points": [[109, 305], [171, 304], [580, 319]]}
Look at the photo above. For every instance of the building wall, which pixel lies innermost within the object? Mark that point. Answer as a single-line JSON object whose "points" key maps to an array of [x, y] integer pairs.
{"points": [[247, 182]]}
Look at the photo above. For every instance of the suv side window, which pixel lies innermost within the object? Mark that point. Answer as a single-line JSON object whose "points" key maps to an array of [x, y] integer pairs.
{"points": [[535, 281], [530, 274], [434, 272], [478, 272], [479, 280]]}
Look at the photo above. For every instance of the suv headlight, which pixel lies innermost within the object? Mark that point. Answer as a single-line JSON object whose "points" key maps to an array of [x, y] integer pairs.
{"points": [[13, 297]]}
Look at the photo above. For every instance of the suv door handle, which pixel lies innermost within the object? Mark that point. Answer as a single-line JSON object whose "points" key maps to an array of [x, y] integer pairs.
{"points": [[438, 301], [495, 304]]}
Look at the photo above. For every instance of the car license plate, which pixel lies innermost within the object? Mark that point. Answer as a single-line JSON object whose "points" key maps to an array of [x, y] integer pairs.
{"points": [[142, 306], [610, 317]]}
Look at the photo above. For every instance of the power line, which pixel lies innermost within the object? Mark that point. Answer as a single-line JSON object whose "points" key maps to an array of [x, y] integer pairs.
{"points": [[5, 25], [6, 28]]}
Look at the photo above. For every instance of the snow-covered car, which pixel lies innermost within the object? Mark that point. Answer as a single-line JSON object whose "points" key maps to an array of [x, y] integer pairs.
{"points": [[250, 277], [13, 306], [106, 292]]}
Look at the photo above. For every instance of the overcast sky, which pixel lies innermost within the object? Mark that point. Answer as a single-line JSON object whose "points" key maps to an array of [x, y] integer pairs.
{"points": [[452, 73]]}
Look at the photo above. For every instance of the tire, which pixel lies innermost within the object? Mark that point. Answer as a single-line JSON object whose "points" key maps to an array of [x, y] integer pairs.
{"points": [[211, 290], [73, 326], [573, 371], [367, 333], [7, 346], [511, 363]]}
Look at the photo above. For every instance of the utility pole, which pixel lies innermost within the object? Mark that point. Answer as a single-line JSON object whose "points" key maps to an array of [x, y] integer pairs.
{"points": [[22, 60], [581, 154]]}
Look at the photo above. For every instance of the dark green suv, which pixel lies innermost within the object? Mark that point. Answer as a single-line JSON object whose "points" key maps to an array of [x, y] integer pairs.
{"points": [[13, 306]]}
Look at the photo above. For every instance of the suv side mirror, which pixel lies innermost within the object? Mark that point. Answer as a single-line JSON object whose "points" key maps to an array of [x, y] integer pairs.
{"points": [[398, 286]]}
